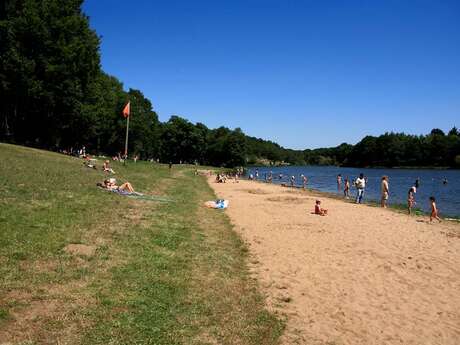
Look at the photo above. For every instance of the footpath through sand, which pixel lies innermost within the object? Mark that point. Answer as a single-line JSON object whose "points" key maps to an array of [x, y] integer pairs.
{"points": [[361, 275]]}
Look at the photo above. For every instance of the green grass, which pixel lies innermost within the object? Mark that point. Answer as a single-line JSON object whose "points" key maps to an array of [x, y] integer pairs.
{"points": [[162, 273]]}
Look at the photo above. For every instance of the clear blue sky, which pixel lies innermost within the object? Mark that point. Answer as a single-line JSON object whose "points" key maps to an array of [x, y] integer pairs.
{"points": [[305, 74]]}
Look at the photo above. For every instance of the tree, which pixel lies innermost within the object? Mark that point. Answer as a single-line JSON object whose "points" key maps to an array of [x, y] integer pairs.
{"points": [[236, 149], [437, 131], [49, 57], [454, 131], [180, 141], [144, 124]]}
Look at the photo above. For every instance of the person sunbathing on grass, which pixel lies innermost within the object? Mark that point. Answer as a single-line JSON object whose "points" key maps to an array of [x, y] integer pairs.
{"points": [[318, 210], [111, 184], [106, 167], [89, 163]]}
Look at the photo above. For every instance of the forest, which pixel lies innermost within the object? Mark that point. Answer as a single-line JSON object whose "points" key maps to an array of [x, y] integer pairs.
{"points": [[55, 95]]}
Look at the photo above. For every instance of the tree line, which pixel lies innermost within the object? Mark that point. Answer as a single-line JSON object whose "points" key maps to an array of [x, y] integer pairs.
{"points": [[55, 95]]}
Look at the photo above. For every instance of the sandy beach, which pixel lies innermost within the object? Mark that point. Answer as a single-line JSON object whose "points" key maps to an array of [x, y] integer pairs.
{"points": [[361, 275]]}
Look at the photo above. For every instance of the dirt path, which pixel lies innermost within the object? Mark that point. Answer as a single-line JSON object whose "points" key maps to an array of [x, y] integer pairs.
{"points": [[361, 275]]}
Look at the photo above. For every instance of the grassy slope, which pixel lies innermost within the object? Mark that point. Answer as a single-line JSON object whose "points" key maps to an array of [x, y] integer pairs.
{"points": [[169, 273]]}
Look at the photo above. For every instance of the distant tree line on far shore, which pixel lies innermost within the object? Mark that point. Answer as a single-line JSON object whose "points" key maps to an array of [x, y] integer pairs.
{"points": [[55, 95]]}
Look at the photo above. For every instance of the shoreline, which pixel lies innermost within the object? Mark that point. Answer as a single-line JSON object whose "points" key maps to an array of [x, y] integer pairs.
{"points": [[360, 275], [353, 167]]}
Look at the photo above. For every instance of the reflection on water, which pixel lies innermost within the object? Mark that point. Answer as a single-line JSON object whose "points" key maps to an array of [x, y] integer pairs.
{"points": [[400, 180]]}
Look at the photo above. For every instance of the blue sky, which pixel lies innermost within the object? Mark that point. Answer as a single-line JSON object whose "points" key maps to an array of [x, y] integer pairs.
{"points": [[305, 74]]}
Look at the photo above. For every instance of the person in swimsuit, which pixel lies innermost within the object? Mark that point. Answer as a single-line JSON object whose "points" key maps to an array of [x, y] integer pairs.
{"points": [[111, 184], [304, 181], [339, 182], [346, 188], [434, 210], [318, 210], [106, 167], [411, 199], [385, 192]]}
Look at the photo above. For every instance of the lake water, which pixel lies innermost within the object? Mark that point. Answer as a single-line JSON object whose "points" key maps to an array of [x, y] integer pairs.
{"points": [[323, 178]]}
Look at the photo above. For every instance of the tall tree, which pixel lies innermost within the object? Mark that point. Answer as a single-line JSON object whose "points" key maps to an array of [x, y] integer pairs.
{"points": [[49, 57]]}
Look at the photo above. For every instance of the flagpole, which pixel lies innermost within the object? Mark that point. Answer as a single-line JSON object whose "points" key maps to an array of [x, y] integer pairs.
{"points": [[126, 140]]}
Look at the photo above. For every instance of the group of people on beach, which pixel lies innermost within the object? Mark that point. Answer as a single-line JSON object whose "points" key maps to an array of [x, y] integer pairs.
{"points": [[344, 184], [222, 177], [361, 182]]}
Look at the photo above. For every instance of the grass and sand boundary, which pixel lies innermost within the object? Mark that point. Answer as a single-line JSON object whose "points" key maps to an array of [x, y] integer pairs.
{"points": [[82, 266]]}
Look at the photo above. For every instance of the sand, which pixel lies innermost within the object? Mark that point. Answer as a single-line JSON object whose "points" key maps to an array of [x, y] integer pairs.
{"points": [[361, 275]]}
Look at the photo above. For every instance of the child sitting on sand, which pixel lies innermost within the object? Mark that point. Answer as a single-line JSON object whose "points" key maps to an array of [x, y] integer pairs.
{"points": [[434, 210], [318, 210]]}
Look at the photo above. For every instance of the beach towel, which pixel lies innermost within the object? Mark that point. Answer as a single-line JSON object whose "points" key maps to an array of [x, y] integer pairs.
{"points": [[139, 196], [217, 204]]}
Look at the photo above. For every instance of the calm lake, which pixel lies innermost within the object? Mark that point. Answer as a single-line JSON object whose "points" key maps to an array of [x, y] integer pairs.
{"points": [[323, 178]]}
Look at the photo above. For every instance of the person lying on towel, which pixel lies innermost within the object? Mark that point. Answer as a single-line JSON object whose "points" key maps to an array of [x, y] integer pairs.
{"points": [[111, 184]]}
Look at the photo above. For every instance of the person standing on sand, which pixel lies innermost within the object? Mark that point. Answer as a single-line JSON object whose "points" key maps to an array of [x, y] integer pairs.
{"points": [[360, 184], [385, 192], [434, 210], [339, 181]]}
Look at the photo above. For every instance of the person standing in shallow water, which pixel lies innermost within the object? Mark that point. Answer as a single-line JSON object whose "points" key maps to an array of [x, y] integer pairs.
{"points": [[411, 199], [434, 210], [292, 180], [339, 182], [346, 188], [360, 184], [385, 191]]}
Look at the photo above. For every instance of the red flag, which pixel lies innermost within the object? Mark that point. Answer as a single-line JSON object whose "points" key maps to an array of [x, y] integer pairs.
{"points": [[126, 110]]}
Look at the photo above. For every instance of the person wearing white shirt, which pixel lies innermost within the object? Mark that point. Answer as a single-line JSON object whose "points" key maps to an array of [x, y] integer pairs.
{"points": [[360, 186]]}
